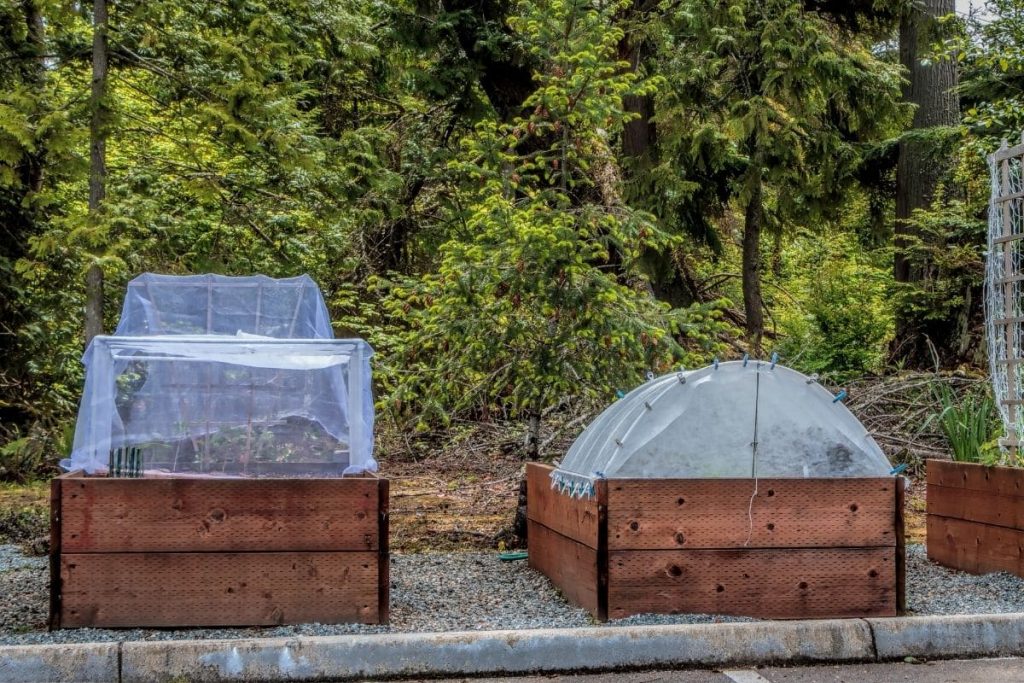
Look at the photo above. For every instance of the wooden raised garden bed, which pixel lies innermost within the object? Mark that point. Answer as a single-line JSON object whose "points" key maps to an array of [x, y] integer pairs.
{"points": [[806, 548], [976, 517], [178, 552]]}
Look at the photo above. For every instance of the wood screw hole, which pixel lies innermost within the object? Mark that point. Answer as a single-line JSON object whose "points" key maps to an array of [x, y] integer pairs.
{"points": [[674, 570], [771, 526], [634, 526], [853, 507], [771, 492], [873, 573], [719, 588], [680, 501], [680, 538], [803, 585]]}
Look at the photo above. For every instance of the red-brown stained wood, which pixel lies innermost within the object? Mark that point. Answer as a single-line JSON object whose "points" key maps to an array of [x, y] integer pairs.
{"points": [[901, 545], [786, 583], [976, 506], [218, 589], [383, 549], [140, 515], [54, 620], [575, 518], [973, 547], [713, 513], [1003, 481], [570, 565]]}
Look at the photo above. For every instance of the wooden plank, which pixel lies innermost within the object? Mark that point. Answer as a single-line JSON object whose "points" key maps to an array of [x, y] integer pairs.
{"points": [[602, 549], [1006, 153], [975, 548], [570, 565], [1009, 308], [1011, 278], [719, 513], [976, 506], [218, 589], [1008, 238], [999, 481], [901, 546], [161, 515], [54, 620], [1009, 197], [575, 518], [384, 554], [778, 584]]}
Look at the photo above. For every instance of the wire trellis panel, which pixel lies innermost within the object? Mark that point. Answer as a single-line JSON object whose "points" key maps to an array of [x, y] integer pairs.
{"points": [[1004, 280]]}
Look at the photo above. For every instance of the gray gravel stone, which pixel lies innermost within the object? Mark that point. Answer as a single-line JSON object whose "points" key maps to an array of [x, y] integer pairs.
{"points": [[934, 589], [468, 592]]}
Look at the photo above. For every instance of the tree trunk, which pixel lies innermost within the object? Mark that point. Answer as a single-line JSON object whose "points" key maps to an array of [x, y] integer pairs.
{"points": [[97, 163], [505, 71], [932, 89], [640, 135], [753, 304]]}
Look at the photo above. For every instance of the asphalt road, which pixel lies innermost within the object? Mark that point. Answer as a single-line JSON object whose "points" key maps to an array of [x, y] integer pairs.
{"points": [[952, 671]]}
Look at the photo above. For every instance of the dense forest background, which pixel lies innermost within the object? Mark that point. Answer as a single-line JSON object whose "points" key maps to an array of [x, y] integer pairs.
{"points": [[523, 206]]}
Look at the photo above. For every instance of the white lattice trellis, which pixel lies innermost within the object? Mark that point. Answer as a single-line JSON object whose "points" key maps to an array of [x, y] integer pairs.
{"points": [[1004, 279]]}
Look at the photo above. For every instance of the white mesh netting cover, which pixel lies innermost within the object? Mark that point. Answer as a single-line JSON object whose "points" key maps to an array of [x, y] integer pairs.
{"points": [[226, 376], [1004, 289], [734, 420]]}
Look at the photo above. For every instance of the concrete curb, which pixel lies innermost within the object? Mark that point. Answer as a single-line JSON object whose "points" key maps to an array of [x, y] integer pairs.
{"points": [[79, 663], [517, 652], [969, 635], [495, 652]]}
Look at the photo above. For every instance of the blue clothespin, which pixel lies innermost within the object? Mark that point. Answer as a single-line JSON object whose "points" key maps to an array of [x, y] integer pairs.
{"points": [[775, 359], [649, 375], [599, 474], [899, 469], [840, 396], [715, 362], [619, 393], [746, 357]]}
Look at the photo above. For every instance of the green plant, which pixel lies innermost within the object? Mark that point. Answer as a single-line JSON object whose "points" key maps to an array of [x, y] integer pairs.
{"points": [[969, 423]]}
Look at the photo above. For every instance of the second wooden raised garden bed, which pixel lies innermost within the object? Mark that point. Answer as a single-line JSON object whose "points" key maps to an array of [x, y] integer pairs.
{"points": [[179, 552], [799, 548], [976, 517]]}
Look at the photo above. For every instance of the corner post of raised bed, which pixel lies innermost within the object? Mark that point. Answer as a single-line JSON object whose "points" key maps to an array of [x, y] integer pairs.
{"points": [[601, 490], [383, 552], [901, 546], [55, 583]]}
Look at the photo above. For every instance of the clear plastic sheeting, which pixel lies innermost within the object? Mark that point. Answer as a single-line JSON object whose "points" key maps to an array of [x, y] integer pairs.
{"points": [[287, 308], [219, 404], [731, 420]]}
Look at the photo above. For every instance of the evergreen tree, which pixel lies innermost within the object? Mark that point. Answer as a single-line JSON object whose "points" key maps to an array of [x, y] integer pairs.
{"points": [[787, 96]]}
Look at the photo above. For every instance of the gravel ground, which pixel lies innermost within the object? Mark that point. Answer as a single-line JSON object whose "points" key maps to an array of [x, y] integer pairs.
{"points": [[471, 591], [934, 589]]}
